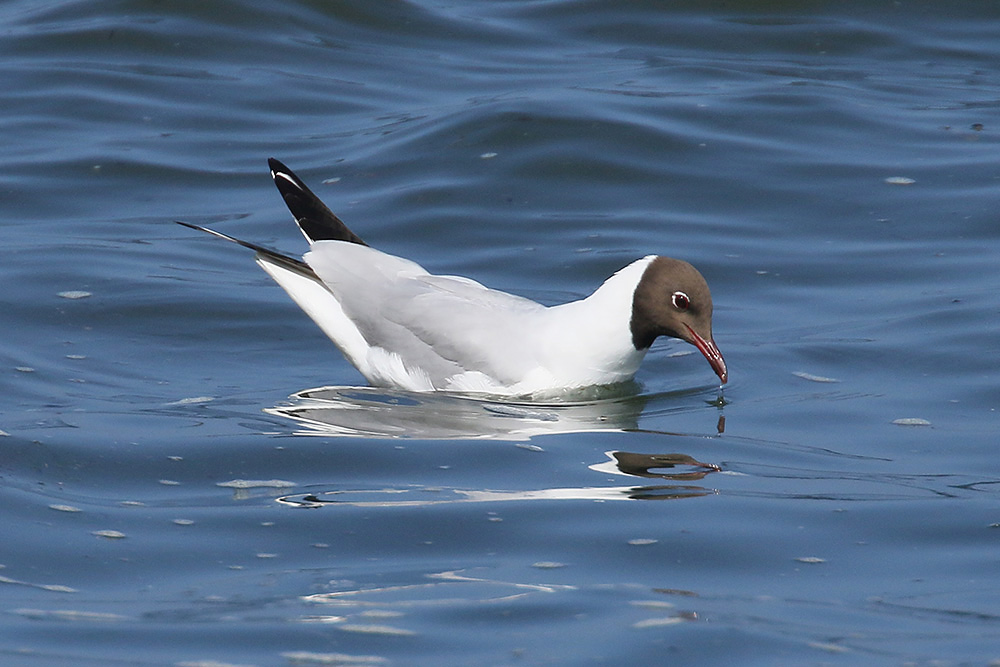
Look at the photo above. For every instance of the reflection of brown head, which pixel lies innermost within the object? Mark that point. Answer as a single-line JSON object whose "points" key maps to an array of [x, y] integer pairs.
{"points": [[642, 465]]}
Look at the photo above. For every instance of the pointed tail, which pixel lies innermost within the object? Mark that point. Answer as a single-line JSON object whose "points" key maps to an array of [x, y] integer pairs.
{"points": [[296, 265]]}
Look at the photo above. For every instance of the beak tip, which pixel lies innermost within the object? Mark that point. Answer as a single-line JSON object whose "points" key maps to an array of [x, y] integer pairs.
{"points": [[721, 370], [711, 352]]}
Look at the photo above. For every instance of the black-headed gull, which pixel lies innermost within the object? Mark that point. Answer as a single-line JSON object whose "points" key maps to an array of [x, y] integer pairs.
{"points": [[404, 327]]}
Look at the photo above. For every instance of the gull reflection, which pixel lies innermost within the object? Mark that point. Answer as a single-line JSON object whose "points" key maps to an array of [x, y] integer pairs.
{"points": [[387, 413], [384, 413], [655, 465], [681, 467], [424, 497]]}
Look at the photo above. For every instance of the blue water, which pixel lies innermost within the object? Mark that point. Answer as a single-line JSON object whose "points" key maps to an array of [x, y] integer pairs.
{"points": [[190, 474]]}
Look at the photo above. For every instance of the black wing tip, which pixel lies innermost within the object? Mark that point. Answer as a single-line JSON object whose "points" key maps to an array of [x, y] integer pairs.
{"points": [[284, 177], [317, 222], [277, 167]]}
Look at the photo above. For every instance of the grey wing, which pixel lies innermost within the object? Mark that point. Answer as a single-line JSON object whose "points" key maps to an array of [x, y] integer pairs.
{"points": [[445, 325], [475, 328]]}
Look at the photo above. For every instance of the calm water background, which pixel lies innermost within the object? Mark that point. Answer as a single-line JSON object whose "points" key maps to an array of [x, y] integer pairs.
{"points": [[832, 168]]}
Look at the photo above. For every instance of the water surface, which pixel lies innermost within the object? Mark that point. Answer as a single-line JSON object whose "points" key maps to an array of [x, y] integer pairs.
{"points": [[192, 475]]}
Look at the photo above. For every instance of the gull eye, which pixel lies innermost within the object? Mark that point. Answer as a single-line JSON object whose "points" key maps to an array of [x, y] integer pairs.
{"points": [[680, 300]]}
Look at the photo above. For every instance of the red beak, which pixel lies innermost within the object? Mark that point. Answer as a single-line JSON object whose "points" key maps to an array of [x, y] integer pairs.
{"points": [[711, 352]]}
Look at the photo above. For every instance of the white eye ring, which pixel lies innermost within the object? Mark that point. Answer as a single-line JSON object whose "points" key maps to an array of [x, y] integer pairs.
{"points": [[680, 300]]}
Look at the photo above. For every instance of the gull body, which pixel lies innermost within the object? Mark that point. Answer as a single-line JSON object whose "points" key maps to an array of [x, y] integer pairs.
{"points": [[404, 327]]}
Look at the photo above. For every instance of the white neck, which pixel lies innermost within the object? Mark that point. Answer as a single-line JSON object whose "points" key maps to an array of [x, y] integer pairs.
{"points": [[592, 337]]}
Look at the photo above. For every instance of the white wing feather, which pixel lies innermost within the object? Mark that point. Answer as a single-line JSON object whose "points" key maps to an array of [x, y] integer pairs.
{"points": [[404, 327], [454, 330]]}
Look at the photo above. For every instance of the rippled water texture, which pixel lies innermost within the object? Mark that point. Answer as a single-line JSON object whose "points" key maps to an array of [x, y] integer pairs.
{"points": [[190, 474]]}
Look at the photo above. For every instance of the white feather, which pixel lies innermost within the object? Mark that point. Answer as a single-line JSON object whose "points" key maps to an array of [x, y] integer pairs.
{"points": [[402, 326]]}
